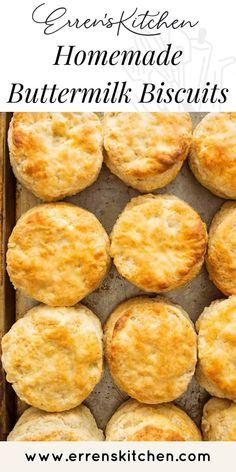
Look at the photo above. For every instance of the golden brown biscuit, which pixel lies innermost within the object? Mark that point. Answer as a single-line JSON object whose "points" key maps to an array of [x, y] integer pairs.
{"points": [[221, 256], [151, 348], [216, 370], [73, 425], [58, 253], [55, 154], [136, 422], [53, 356], [158, 242], [219, 420], [146, 150], [213, 154]]}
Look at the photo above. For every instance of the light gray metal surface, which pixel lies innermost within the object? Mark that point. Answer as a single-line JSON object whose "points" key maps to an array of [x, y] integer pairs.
{"points": [[106, 199]]}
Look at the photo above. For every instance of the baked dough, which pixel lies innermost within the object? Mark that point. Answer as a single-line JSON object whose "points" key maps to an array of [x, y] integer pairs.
{"points": [[53, 356], [158, 243], [213, 154], [146, 150], [216, 370], [55, 155], [221, 257], [151, 348], [219, 420], [136, 422], [58, 253], [73, 425]]}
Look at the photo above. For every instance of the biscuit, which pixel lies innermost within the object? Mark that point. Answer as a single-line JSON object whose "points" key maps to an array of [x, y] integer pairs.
{"points": [[55, 155], [221, 256], [158, 242], [73, 425], [151, 349], [146, 150], [136, 422], [53, 357], [58, 253], [213, 154], [216, 371], [219, 420]]}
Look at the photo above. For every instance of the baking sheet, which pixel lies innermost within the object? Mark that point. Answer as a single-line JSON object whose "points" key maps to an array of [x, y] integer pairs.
{"points": [[106, 198], [7, 295]]}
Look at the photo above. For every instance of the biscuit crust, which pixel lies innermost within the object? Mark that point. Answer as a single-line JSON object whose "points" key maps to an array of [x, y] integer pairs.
{"points": [[221, 261], [55, 154], [136, 422], [219, 420], [146, 150], [53, 357], [216, 371], [73, 425], [213, 154], [158, 242], [58, 253], [150, 345]]}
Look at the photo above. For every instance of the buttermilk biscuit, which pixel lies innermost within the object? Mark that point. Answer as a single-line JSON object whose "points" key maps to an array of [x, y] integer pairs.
{"points": [[216, 328], [73, 425], [146, 150], [151, 348], [53, 356], [221, 256], [136, 422], [55, 154], [158, 243], [219, 420], [213, 154], [57, 253]]}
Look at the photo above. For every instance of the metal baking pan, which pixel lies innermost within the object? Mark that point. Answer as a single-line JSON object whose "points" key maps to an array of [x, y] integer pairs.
{"points": [[105, 198]]}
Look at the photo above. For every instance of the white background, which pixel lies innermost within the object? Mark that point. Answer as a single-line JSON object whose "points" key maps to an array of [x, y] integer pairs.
{"points": [[27, 54], [13, 458]]}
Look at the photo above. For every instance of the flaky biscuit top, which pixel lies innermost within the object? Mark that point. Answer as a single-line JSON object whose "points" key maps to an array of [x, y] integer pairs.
{"points": [[55, 154], [221, 254], [146, 150], [213, 153], [77, 424], [150, 346], [54, 356], [134, 421], [158, 242], [57, 253], [219, 420], [217, 348]]}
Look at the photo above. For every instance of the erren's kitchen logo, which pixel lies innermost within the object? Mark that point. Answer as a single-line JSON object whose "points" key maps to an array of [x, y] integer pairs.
{"points": [[142, 24]]}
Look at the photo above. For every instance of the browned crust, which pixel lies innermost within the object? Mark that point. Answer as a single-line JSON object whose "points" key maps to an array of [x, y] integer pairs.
{"points": [[77, 424], [220, 260], [53, 357], [212, 155], [136, 334], [219, 420], [55, 155], [69, 239], [133, 239], [146, 150], [216, 348], [134, 421], [151, 433]]}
